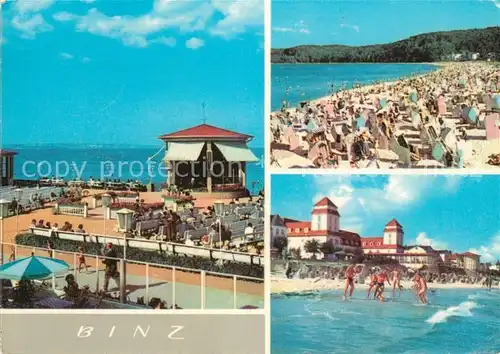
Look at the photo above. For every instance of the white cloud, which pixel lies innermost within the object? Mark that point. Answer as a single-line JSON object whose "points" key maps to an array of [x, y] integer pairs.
{"points": [[353, 27], [168, 41], [423, 240], [30, 25], [194, 43], [238, 16], [32, 6], [88, 1], [28, 21], [85, 60], [298, 27], [63, 16], [66, 56], [489, 253], [496, 3], [185, 16], [373, 198]]}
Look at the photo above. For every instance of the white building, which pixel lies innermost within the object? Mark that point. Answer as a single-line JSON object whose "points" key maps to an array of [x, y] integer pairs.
{"points": [[390, 245], [323, 227]]}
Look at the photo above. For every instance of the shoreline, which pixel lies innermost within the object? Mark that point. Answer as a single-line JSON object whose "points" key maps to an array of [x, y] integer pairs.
{"points": [[368, 86], [290, 286]]}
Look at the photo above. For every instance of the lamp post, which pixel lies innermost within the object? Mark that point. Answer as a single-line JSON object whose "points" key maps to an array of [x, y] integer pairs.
{"points": [[19, 195], [106, 202], [4, 209], [124, 225], [219, 212]]}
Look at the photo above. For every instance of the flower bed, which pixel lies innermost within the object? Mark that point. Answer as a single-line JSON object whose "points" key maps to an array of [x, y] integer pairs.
{"points": [[136, 254]]}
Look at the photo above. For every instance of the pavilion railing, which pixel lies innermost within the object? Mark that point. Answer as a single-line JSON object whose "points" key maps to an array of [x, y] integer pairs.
{"points": [[184, 287]]}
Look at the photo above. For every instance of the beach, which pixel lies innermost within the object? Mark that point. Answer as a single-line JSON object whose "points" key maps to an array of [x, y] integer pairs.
{"points": [[444, 118], [283, 285]]}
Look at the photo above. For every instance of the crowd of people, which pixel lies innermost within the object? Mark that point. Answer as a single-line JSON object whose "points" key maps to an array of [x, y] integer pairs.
{"points": [[394, 124]]}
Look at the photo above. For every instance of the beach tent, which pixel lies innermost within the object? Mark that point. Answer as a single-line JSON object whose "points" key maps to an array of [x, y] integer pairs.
{"points": [[471, 114], [311, 125], [360, 123], [492, 125], [413, 97], [441, 104], [495, 101], [402, 152], [31, 268], [288, 159], [416, 120]]}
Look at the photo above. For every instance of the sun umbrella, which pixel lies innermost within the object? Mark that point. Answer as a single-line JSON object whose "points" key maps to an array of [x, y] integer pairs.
{"points": [[33, 267], [472, 115]]}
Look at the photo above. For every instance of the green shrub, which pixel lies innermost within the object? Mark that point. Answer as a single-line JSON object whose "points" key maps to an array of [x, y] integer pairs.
{"points": [[136, 254]]}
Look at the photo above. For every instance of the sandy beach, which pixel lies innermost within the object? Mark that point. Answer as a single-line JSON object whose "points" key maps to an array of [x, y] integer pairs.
{"points": [[396, 124], [283, 286]]}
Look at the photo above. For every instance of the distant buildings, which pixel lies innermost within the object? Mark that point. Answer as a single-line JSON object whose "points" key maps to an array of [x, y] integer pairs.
{"points": [[324, 228], [391, 246]]}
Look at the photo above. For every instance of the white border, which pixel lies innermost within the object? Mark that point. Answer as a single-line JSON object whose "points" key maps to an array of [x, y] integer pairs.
{"points": [[267, 171]]}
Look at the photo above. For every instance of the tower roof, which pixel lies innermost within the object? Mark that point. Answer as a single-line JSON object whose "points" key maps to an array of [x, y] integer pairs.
{"points": [[205, 131], [325, 201], [393, 223]]}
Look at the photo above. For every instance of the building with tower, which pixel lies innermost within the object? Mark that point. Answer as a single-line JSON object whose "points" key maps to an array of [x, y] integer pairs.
{"points": [[323, 227]]}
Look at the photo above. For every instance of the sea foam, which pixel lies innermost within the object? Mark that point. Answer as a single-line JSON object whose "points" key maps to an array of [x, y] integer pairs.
{"points": [[462, 310]]}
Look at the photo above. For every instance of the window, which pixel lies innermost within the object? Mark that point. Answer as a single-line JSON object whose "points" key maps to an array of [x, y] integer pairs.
{"points": [[297, 230], [371, 243], [378, 243], [318, 222], [306, 229]]}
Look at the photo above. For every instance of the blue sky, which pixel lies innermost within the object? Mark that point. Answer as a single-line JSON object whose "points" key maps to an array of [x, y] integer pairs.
{"points": [[361, 22], [454, 212], [126, 72]]}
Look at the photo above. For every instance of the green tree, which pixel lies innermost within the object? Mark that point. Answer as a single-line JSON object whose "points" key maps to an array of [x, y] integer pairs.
{"points": [[296, 253], [312, 246], [280, 243]]}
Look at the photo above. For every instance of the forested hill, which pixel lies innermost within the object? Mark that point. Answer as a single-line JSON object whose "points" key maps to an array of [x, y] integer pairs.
{"points": [[428, 47]]}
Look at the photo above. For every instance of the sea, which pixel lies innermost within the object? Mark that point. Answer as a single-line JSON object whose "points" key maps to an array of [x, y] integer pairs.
{"points": [[111, 161], [312, 81], [455, 321]]}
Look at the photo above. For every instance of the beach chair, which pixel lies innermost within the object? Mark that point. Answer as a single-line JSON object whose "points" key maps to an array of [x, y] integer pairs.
{"points": [[402, 152], [492, 126], [416, 120]]}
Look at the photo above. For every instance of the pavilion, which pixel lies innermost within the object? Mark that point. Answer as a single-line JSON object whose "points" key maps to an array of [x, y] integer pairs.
{"points": [[7, 167], [208, 159]]}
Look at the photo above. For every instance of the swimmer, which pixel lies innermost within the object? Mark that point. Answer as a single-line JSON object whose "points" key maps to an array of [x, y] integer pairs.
{"points": [[381, 278], [373, 283], [396, 281], [422, 288], [349, 280]]}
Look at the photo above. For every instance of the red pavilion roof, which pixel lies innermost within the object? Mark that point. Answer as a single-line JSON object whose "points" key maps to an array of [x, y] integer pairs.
{"points": [[205, 131], [393, 223], [4, 152]]}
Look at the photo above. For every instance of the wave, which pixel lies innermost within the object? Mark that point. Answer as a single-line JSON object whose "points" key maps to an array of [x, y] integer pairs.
{"points": [[462, 310]]}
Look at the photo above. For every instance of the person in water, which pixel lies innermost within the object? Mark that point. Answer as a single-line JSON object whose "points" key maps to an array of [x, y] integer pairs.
{"points": [[422, 288], [350, 273], [373, 284], [381, 279], [396, 281]]}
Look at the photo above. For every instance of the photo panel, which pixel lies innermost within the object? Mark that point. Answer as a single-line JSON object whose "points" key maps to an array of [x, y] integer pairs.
{"points": [[395, 263], [132, 175], [370, 85]]}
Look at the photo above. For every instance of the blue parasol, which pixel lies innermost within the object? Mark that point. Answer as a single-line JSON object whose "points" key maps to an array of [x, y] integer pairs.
{"points": [[33, 267]]}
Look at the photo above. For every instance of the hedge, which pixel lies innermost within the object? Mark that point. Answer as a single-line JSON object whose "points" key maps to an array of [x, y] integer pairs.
{"points": [[136, 254]]}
